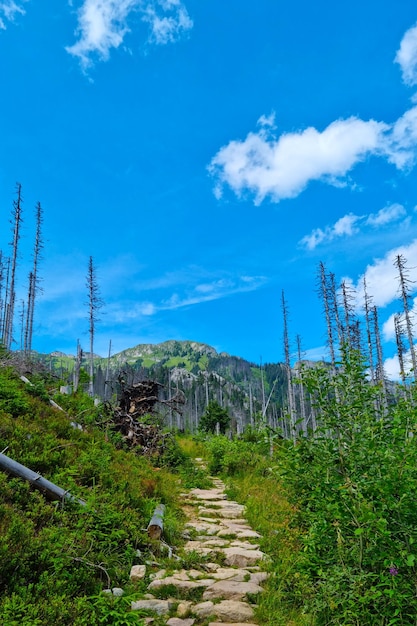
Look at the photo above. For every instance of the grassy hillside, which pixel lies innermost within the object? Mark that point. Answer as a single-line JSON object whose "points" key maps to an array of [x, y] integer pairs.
{"points": [[56, 559]]}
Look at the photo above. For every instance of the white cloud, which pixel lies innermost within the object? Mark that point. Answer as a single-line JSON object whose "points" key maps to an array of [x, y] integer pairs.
{"points": [[9, 10], [400, 144], [167, 28], [282, 167], [382, 276], [103, 24], [388, 328], [406, 56], [392, 366], [345, 226], [348, 225], [388, 214]]}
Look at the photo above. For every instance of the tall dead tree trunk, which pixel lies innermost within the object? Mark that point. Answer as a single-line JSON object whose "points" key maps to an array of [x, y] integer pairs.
{"points": [[325, 296], [16, 220], [291, 407], [34, 278], [77, 367], [403, 276], [2, 289], [301, 388], [5, 303], [380, 373], [367, 307], [399, 334], [94, 305], [351, 334]]}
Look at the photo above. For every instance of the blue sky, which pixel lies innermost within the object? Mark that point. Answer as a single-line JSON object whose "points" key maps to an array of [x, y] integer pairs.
{"points": [[208, 155]]}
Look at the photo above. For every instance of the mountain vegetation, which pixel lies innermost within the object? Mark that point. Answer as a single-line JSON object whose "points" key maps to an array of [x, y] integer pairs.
{"points": [[323, 455], [247, 391]]}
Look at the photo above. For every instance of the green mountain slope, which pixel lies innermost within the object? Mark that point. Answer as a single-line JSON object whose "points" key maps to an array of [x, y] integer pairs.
{"points": [[196, 370]]}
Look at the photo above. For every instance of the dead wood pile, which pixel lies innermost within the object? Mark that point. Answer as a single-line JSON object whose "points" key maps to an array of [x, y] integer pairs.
{"points": [[135, 416]]}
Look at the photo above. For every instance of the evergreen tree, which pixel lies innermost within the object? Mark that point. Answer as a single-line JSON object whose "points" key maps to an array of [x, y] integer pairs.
{"points": [[213, 415]]}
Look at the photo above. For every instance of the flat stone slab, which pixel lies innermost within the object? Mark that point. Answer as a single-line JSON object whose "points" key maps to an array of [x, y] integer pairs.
{"points": [[231, 573], [208, 494], [229, 513], [239, 557], [204, 527], [177, 621], [227, 610], [156, 606], [180, 583], [231, 590], [258, 577], [213, 542], [137, 572]]}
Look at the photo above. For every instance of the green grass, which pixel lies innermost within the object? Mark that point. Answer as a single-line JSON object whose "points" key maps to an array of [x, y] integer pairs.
{"points": [[54, 559]]}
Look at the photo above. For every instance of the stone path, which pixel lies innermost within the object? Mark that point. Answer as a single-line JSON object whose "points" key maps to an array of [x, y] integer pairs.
{"points": [[227, 574]]}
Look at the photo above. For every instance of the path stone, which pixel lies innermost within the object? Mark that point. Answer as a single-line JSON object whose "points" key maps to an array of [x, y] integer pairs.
{"points": [[231, 590], [219, 531], [156, 606], [227, 610], [137, 573], [181, 585], [240, 557]]}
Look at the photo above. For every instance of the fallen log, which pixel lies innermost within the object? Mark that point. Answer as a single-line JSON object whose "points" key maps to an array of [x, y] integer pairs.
{"points": [[52, 491], [156, 525]]}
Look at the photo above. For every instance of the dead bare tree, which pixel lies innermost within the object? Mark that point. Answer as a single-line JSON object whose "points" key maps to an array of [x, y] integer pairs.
{"points": [[34, 279], [399, 339], [301, 388], [404, 288], [351, 329], [5, 306], [9, 311], [291, 407], [367, 303], [380, 373], [77, 367], [95, 303], [326, 296]]}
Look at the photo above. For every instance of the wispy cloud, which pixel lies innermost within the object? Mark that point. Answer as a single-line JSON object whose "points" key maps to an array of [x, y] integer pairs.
{"points": [[191, 296], [345, 226], [350, 224], [103, 25], [168, 20], [9, 10], [387, 215], [406, 56]]}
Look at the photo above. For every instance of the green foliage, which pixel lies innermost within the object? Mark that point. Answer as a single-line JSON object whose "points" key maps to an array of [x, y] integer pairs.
{"points": [[13, 400], [55, 559], [353, 484], [214, 414]]}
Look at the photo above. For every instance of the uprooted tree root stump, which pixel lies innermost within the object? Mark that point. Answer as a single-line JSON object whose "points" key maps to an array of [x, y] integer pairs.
{"points": [[136, 402]]}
